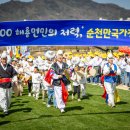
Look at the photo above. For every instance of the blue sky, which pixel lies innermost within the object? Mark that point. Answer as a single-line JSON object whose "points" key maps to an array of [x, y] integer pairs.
{"points": [[122, 3]]}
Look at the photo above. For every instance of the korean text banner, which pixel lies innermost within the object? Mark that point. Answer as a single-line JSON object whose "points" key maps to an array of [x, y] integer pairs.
{"points": [[65, 32]]}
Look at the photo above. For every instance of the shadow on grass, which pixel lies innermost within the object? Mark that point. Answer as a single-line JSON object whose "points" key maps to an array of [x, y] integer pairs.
{"points": [[84, 114], [88, 96], [19, 110], [73, 108], [23, 94], [121, 102], [25, 101], [17, 105], [84, 97], [18, 99], [2, 115], [61, 115], [98, 113], [4, 122], [16, 102]]}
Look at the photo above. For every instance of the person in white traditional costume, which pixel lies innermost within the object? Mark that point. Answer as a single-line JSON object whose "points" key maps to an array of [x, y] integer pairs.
{"points": [[15, 79], [58, 77], [7, 72], [122, 64], [24, 62], [36, 81], [110, 72], [97, 66], [76, 78], [127, 69], [48, 88], [83, 80], [20, 78], [28, 70]]}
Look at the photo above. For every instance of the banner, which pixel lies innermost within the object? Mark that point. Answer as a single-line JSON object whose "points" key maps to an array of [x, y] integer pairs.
{"points": [[65, 33]]}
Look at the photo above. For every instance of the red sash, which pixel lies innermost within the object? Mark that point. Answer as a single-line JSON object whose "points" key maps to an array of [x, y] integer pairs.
{"points": [[5, 80], [64, 92], [102, 81]]}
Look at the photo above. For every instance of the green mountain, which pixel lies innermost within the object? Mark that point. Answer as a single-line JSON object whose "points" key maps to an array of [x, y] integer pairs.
{"points": [[60, 9]]}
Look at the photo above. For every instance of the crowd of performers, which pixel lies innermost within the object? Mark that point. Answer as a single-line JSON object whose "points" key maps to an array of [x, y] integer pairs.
{"points": [[59, 73]]}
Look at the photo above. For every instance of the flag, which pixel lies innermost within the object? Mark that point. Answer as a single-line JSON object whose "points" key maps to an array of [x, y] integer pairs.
{"points": [[105, 95], [23, 50], [9, 51], [116, 96], [11, 54], [18, 53], [64, 92], [49, 75], [13, 50]]}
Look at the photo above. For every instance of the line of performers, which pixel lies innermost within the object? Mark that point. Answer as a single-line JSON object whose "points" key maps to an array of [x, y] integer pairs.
{"points": [[55, 76]]}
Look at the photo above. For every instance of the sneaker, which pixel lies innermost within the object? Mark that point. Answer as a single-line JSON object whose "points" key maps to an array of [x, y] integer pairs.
{"points": [[99, 84], [84, 96], [36, 98], [56, 107], [44, 102], [72, 96], [48, 105], [94, 84], [79, 100], [6, 113], [20, 94], [113, 106], [43, 99], [62, 110], [29, 94], [109, 104]]}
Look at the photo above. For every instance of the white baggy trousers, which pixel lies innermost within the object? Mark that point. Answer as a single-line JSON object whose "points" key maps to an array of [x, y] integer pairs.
{"points": [[58, 95], [110, 88], [5, 98], [36, 89]]}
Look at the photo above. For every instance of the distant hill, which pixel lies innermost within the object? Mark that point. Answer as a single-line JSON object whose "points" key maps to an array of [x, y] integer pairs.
{"points": [[60, 9]]}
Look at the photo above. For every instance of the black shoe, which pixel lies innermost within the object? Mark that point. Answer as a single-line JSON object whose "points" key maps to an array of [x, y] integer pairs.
{"points": [[113, 106], [6, 113]]}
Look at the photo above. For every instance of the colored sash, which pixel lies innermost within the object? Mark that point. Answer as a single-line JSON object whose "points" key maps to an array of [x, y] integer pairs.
{"points": [[5, 80]]}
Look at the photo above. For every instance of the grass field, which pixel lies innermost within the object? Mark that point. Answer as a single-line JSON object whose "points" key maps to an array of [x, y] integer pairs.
{"points": [[92, 114]]}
